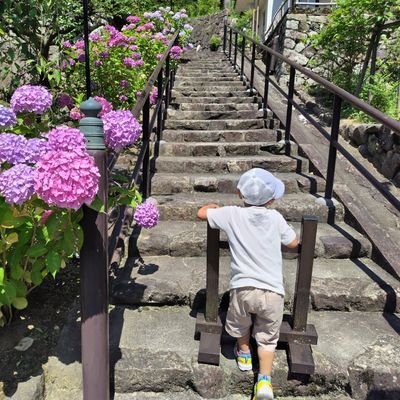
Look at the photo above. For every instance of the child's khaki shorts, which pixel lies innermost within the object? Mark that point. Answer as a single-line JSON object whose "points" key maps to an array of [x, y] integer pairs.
{"points": [[264, 306]]}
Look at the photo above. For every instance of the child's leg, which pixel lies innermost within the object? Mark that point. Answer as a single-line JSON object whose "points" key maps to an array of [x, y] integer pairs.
{"points": [[266, 359], [244, 343]]}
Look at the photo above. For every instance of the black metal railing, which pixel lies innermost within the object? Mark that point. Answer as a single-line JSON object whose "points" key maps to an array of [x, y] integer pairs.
{"points": [[152, 124], [339, 97]]}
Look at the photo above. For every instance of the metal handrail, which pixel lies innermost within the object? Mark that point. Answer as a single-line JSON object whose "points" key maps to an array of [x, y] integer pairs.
{"points": [[164, 85], [340, 95]]}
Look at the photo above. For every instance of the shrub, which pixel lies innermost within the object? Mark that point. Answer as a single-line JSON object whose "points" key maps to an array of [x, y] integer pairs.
{"points": [[215, 42]]}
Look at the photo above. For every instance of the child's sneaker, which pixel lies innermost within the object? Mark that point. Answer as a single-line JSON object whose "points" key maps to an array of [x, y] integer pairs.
{"points": [[243, 360], [263, 390]]}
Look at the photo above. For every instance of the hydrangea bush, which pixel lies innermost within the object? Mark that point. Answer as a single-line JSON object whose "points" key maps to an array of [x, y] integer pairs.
{"points": [[123, 60], [44, 181]]}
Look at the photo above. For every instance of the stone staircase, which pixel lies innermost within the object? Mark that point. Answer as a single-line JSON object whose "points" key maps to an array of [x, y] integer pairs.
{"points": [[213, 133]]}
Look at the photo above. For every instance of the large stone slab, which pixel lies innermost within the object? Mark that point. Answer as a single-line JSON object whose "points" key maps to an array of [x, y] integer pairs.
{"points": [[273, 163], [184, 206], [212, 115], [252, 135], [375, 374], [218, 107], [175, 328], [348, 285], [165, 183], [177, 99], [212, 149], [200, 124], [188, 239]]}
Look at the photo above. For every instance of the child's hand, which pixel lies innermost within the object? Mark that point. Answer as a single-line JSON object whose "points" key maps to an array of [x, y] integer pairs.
{"points": [[202, 212]]}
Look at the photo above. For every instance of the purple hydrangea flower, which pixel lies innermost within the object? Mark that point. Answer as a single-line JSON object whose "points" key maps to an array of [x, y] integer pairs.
{"points": [[104, 54], [94, 37], [64, 100], [63, 138], [124, 83], [176, 52], [154, 96], [133, 19], [106, 106], [66, 179], [12, 148], [122, 97], [36, 148], [17, 183], [80, 44], [121, 129], [146, 215], [29, 98], [67, 44], [7, 117]]}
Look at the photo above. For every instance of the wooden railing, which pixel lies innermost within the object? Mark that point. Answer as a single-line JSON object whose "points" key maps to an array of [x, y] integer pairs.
{"points": [[295, 333]]}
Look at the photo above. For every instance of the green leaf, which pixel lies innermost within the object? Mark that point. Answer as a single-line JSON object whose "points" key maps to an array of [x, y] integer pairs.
{"points": [[37, 250], [20, 288], [78, 231], [36, 274], [7, 293], [16, 272], [20, 303], [2, 273], [68, 243], [97, 205], [53, 262]]}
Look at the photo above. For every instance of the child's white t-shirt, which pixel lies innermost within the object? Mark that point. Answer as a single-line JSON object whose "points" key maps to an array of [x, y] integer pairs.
{"points": [[255, 235]]}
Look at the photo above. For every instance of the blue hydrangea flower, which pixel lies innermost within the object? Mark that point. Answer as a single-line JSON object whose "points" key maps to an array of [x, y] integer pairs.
{"points": [[7, 117]]}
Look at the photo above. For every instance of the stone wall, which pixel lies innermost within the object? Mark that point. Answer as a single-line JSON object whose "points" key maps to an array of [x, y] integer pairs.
{"points": [[377, 144], [205, 27]]}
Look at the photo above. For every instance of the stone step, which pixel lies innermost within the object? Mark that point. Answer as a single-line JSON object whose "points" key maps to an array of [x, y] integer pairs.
{"points": [[206, 68], [184, 206], [189, 395], [169, 183], [188, 239], [249, 135], [218, 107], [208, 85], [154, 349], [219, 149], [178, 99], [222, 165], [337, 284], [206, 78], [200, 124], [209, 93], [214, 115]]}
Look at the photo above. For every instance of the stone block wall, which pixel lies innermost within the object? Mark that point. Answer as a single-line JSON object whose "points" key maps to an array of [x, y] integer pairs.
{"points": [[377, 144]]}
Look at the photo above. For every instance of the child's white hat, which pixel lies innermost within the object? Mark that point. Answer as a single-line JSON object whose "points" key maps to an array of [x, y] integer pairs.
{"points": [[258, 186]]}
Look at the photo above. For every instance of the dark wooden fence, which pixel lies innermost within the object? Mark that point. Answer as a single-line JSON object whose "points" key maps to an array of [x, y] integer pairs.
{"points": [[296, 334]]}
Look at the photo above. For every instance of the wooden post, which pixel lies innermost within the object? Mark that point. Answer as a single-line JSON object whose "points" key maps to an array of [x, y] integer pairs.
{"points": [[94, 269]]}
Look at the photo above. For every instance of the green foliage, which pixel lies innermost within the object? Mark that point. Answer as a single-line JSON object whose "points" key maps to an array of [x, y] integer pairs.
{"points": [[215, 42], [35, 241], [343, 45]]}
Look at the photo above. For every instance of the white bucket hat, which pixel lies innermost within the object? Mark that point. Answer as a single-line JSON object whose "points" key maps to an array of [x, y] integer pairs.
{"points": [[258, 186]]}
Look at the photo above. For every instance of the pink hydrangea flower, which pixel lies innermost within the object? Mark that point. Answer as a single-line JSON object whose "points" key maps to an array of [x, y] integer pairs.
{"points": [[30, 98], [17, 183], [133, 19], [121, 129], [106, 106], [66, 179], [146, 215], [63, 138], [76, 114]]}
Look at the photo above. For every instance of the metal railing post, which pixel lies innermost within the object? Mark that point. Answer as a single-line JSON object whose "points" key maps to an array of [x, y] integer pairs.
{"points": [[235, 53], [225, 33], [160, 81], [289, 110], [146, 142], [230, 44], [253, 64], [167, 77], [266, 83], [242, 60], [94, 269], [330, 173]]}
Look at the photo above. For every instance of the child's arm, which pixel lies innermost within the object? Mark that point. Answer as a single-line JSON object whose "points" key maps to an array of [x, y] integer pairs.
{"points": [[293, 244], [202, 212]]}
